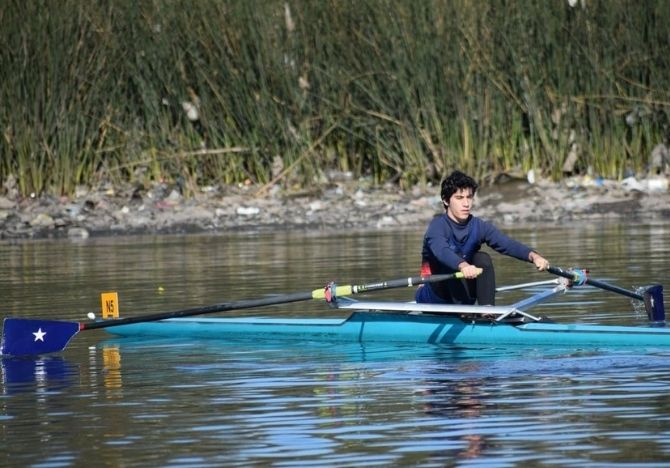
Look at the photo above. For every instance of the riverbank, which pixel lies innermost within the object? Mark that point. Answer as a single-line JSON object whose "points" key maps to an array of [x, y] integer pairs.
{"points": [[162, 209]]}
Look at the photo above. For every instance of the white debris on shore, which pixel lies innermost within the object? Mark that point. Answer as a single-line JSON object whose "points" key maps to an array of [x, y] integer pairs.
{"points": [[344, 205]]}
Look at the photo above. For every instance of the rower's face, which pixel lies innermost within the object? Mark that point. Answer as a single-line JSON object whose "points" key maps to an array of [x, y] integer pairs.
{"points": [[460, 204]]}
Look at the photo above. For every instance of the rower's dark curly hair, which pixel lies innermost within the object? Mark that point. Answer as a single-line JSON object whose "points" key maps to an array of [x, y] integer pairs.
{"points": [[455, 182]]}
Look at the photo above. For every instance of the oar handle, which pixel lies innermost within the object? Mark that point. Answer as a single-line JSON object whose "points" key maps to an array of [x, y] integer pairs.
{"points": [[580, 277]]}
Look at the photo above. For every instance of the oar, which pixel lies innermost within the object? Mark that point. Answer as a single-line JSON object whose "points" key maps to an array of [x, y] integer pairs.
{"points": [[652, 295], [33, 336]]}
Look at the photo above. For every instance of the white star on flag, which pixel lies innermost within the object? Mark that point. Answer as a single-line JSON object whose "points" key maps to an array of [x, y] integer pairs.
{"points": [[39, 335]]}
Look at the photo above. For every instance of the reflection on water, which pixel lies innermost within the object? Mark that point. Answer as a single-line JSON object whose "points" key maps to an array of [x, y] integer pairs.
{"points": [[111, 361], [122, 402], [46, 373]]}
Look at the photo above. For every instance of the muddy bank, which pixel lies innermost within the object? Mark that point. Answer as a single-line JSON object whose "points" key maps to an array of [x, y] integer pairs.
{"points": [[162, 209]]}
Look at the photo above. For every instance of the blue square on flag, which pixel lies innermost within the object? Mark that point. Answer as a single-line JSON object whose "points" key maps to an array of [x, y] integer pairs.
{"points": [[31, 336]]}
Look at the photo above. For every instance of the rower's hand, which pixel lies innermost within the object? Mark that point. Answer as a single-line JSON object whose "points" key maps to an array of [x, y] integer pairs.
{"points": [[539, 261], [469, 271]]}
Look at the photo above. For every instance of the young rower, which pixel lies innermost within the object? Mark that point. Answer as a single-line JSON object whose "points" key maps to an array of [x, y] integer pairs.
{"points": [[452, 243]]}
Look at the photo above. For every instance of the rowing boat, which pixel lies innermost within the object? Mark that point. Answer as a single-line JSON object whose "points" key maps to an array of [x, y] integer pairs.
{"points": [[366, 326], [369, 321], [404, 322]]}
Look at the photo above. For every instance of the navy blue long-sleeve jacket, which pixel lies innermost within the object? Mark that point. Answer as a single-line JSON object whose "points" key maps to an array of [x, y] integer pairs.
{"points": [[447, 243]]}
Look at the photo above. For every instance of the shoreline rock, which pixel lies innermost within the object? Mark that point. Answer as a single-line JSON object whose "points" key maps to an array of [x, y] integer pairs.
{"points": [[347, 205]]}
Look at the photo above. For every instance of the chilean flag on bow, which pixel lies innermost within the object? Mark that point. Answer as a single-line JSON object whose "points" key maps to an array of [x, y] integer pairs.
{"points": [[27, 336]]}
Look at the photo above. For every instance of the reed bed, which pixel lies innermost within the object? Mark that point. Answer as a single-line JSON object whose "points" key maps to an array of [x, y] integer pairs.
{"points": [[263, 91]]}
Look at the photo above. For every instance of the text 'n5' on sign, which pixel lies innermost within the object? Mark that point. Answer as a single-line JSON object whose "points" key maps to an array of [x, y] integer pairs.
{"points": [[109, 302]]}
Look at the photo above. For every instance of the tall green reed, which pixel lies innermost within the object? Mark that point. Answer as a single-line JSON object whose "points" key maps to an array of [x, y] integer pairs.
{"points": [[401, 91]]}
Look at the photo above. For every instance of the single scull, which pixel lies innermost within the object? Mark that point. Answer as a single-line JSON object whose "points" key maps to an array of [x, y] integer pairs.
{"points": [[370, 321], [399, 322]]}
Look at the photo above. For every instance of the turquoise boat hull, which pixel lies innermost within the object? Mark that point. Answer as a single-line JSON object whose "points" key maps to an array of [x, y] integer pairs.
{"points": [[394, 327]]}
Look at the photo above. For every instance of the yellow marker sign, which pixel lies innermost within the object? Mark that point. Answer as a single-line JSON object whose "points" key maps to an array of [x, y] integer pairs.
{"points": [[110, 305]]}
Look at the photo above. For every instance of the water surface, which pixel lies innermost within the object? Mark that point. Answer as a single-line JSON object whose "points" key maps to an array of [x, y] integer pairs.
{"points": [[129, 402]]}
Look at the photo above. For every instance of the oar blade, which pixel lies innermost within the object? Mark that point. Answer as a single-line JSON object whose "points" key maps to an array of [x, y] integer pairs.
{"points": [[653, 303], [22, 337]]}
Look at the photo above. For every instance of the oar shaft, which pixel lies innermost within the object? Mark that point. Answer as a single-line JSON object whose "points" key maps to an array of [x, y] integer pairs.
{"points": [[598, 284], [222, 307], [615, 289], [271, 300]]}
